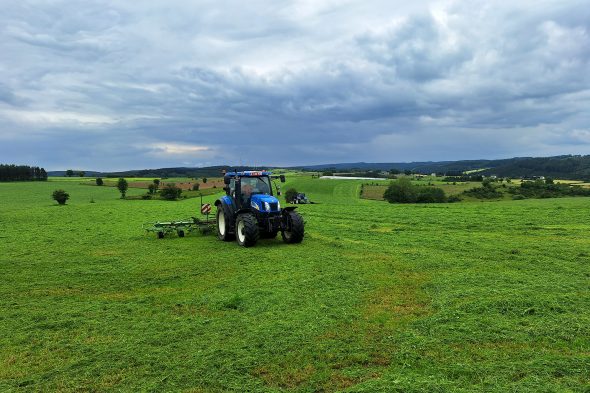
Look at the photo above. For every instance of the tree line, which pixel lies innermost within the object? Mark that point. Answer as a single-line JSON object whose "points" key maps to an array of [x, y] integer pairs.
{"points": [[22, 173]]}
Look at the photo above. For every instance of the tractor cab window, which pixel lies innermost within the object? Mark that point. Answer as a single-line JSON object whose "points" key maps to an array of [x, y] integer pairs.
{"points": [[255, 185], [232, 187]]}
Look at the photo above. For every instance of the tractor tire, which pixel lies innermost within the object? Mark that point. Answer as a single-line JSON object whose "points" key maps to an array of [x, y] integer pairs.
{"points": [[180, 233], [247, 232], [160, 235], [223, 224], [295, 228]]}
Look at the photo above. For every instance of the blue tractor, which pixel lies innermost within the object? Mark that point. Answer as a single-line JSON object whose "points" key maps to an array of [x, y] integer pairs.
{"points": [[249, 210]]}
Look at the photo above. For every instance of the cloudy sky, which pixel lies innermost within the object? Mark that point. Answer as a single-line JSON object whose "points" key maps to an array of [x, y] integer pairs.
{"points": [[113, 85]]}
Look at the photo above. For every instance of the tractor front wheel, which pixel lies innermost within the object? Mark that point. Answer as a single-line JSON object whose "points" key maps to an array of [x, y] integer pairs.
{"points": [[294, 228], [247, 232]]}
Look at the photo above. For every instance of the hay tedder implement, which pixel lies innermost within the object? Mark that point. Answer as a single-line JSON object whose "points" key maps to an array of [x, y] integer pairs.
{"points": [[183, 226]]}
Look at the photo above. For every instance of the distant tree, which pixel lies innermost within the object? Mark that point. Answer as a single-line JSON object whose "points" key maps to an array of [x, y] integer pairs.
{"points": [[21, 173], [407, 172], [549, 180], [69, 173], [122, 185], [152, 189], [196, 187], [81, 173], [60, 196], [290, 194], [204, 180], [400, 191], [170, 192], [403, 191], [99, 181], [157, 183], [430, 195], [394, 171]]}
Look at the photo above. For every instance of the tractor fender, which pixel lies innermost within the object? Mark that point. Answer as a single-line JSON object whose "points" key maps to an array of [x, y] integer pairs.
{"points": [[289, 208], [227, 202]]}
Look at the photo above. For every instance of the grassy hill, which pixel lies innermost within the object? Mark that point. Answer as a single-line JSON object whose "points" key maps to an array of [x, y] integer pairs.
{"points": [[453, 297]]}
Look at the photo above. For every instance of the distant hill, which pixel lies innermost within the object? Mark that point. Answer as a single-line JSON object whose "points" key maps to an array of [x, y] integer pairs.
{"points": [[212, 171], [563, 167], [63, 173], [559, 167], [420, 166]]}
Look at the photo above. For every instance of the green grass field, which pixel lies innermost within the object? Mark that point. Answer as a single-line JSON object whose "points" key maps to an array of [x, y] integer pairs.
{"points": [[459, 297]]}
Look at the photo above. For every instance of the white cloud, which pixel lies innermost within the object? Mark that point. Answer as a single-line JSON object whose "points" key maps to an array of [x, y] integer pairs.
{"points": [[183, 149], [293, 82]]}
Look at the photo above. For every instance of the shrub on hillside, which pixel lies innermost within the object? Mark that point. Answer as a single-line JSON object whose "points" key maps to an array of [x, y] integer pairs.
{"points": [[196, 187], [403, 191], [430, 195], [99, 181], [60, 196], [170, 192], [486, 191], [483, 193], [400, 191], [542, 189]]}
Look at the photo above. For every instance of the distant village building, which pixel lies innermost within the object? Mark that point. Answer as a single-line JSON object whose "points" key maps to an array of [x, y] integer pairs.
{"points": [[533, 178]]}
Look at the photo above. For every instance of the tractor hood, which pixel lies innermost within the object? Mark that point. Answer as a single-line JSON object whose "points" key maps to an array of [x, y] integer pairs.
{"points": [[265, 203]]}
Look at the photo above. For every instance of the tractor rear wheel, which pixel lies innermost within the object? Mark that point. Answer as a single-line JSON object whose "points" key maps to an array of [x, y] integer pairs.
{"points": [[223, 224], [294, 228], [247, 232]]}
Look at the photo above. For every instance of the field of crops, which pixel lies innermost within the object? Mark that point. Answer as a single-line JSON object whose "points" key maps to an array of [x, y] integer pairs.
{"points": [[490, 297]]}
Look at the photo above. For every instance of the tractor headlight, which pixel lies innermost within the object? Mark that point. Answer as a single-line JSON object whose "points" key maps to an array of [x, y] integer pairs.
{"points": [[254, 205], [278, 205], [266, 206]]}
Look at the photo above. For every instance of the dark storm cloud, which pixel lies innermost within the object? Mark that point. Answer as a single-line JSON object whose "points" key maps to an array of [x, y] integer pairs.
{"points": [[106, 85]]}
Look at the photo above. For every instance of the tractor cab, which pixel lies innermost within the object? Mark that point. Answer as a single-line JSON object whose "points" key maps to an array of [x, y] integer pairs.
{"points": [[250, 210], [251, 189]]}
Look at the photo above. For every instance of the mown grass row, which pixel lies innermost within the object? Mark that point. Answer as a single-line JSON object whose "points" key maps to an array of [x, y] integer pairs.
{"points": [[378, 297]]}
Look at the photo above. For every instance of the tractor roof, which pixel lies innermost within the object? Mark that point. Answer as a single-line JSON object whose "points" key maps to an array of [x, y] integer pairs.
{"points": [[248, 174]]}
